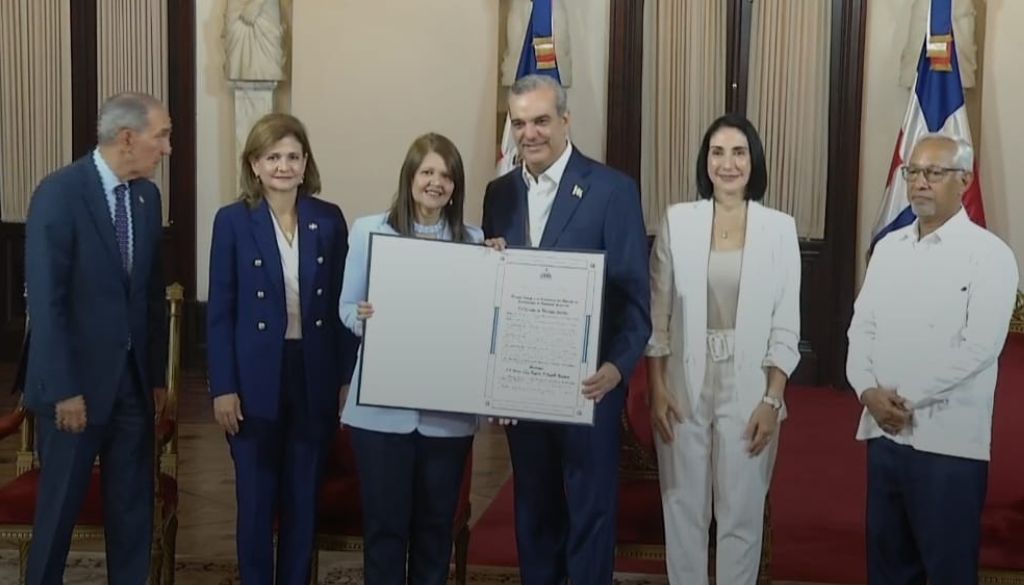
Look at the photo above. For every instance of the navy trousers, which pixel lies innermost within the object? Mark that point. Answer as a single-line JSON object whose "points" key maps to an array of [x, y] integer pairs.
{"points": [[566, 486], [278, 466], [410, 490], [126, 450], [924, 516]]}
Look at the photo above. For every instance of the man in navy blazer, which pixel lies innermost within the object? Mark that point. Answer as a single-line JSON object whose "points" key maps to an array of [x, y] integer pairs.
{"points": [[97, 358], [566, 477]]}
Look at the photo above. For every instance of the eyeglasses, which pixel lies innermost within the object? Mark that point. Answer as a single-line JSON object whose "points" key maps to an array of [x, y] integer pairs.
{"points": [[931, 174]]}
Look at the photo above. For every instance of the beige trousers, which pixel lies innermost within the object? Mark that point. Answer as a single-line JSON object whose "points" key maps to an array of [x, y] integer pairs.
{"points": [[706, 470]]}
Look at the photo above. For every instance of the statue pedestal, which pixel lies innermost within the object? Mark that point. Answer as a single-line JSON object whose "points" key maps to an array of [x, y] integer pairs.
{"points": [[253, 100]]}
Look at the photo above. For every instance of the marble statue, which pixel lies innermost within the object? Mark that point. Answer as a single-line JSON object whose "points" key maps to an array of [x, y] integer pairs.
{"points": [[253, 49]]}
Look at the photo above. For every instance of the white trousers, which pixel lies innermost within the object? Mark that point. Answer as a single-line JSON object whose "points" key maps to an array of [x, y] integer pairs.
{"points": [[706, 470]]}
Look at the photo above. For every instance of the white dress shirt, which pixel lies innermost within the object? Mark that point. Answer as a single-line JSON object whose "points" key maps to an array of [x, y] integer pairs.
{"points": [[930, 322], [290, 271], [541, 193]]}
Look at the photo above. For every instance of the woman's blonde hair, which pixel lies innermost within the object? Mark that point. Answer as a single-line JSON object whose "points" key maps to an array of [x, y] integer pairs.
{"points": [[265, 133]]}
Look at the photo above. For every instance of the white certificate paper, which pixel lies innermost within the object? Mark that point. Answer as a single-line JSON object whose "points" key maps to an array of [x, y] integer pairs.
{"points": [[463, 328]]}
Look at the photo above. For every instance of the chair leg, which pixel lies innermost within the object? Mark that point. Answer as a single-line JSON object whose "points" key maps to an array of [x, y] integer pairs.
{"points": [[155, 560], [461, 555], [23, 547], [169, 551], [314, 569]]}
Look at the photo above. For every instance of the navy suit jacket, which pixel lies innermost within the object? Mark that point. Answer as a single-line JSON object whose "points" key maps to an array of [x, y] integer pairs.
{"points": [[603, 214], [86, 313], [246, 314]]}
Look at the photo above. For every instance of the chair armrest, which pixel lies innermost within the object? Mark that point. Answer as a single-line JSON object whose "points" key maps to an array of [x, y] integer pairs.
{"points": [[638, 410], [10, 423]]}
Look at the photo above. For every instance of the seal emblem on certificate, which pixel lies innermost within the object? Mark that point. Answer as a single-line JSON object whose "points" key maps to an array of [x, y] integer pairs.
{"points": [[464, 328]]}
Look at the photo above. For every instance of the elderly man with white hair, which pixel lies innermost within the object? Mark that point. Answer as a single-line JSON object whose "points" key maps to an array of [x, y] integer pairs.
{"points": [[96, 376], [927, 330]]}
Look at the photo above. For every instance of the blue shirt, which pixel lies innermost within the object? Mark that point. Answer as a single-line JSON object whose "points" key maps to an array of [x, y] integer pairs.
{"points": [[373, 418], [110, 181]]}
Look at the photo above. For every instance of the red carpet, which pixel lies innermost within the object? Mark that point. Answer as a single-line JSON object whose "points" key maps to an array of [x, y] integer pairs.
{"points": [[493, 540], [818, 492]]}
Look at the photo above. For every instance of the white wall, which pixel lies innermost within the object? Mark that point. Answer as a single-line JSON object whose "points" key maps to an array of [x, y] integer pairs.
{"points": [[369, 77], [1002, 124], [215, 156]]}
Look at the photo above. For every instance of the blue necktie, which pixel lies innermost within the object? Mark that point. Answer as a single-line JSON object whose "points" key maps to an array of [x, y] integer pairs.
{"points": [[121, 225]]}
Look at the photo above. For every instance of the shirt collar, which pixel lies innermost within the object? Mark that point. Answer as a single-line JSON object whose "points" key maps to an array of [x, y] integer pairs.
{"points": [[555, 171], [953, 227], [107, 176]]}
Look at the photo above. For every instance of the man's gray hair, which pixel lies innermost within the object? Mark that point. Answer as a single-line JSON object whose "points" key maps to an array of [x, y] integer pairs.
{"points": [[535, 81], [124, 110], [964, 156]]}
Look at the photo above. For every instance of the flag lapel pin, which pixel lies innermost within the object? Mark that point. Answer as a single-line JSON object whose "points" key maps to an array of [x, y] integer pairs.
{"points": [[577, 191]]}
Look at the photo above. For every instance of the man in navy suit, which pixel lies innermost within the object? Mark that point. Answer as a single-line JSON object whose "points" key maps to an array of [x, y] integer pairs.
{"points": [[566, 477], [97, 359]]}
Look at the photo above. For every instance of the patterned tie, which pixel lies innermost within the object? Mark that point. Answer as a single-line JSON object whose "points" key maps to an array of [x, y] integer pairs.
{"points": [[121, 224]]}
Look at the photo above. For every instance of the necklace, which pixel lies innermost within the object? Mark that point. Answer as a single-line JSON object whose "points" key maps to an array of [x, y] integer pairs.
{"points": [[723, 233], [289, 235], [435, 230]]}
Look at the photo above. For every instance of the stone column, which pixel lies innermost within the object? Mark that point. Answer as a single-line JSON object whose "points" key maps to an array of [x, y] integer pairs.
{"points": [[253, 100]]}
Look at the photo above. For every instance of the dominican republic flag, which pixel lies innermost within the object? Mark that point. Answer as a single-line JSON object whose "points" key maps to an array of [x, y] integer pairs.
{"points": [[936, 105], [538, 56]]}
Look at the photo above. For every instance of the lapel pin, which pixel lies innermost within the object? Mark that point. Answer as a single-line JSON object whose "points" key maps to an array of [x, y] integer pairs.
{"points": [[141, 200], [577, 191], [313, 226]]}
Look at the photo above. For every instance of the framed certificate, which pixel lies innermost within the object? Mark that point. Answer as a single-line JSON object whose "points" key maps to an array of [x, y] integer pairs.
{"points": [[464, 328]]}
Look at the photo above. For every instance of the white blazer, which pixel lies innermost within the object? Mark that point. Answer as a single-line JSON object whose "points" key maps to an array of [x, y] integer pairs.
{"points": [[768, 310]]}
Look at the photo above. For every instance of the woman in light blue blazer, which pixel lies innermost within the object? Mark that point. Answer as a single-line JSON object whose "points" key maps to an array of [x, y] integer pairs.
{"points": [[410, 462], [725, 314]]}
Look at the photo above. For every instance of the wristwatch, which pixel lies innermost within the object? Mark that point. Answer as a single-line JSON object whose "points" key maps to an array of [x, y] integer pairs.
{"points": [[772, 401]]}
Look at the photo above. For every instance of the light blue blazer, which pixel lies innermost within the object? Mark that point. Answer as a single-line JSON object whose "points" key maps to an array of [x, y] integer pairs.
{"points": [[372, 418]]}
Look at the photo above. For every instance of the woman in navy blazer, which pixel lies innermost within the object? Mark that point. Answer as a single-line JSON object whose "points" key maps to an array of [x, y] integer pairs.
{"points": [[725, 310], [410, 462], [278, 353]]}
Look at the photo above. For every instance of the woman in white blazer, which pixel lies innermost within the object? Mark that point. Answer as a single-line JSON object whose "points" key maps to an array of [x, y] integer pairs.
{"points": [[725, 308]]}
